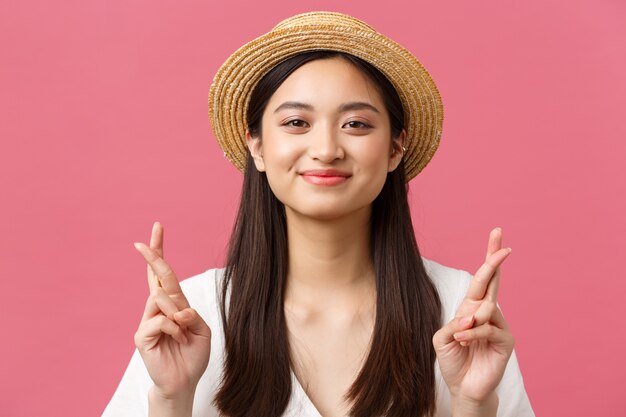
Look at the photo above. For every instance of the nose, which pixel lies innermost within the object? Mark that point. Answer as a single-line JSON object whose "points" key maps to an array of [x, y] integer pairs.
{"points": [[324, 145]]}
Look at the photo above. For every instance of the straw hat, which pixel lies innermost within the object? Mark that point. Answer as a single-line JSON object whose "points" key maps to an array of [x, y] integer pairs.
{"points": [[234, 82]]}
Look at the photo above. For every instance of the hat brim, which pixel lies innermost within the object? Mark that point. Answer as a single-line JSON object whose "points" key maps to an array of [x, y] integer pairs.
{"points": [[236, 79]]}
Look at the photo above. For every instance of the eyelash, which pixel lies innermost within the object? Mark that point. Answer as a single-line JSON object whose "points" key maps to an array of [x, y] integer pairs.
{"points": [[362, 125], [294, 120]]}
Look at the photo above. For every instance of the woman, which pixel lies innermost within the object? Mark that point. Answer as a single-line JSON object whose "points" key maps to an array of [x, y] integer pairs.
{"points": [[326, 306]]}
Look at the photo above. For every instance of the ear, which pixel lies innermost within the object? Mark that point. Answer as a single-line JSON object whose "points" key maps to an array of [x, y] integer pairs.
{"points": [[256, 150], [397, 152]]}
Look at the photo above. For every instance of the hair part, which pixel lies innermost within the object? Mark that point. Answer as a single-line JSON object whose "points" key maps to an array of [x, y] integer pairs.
{"points": [[397, 378]]}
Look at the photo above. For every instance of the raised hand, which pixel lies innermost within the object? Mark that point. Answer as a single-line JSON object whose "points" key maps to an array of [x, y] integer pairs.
{"points": [[474, 347], [173, 340]]}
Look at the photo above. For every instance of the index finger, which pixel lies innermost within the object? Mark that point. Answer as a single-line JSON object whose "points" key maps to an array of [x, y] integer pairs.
{"points": [[166, 275]]}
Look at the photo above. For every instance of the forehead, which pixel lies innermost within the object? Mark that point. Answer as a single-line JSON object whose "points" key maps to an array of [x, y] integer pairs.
{"points": [[327, 81]]}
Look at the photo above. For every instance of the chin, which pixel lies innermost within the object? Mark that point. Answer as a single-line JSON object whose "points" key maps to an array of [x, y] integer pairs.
{"points": [[328, 211], [327, 204]]}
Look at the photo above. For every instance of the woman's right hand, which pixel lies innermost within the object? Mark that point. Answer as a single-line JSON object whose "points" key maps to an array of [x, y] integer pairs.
{"points": [[172, 338]]}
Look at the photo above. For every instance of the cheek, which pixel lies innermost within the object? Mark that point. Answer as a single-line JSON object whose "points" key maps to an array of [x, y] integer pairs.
{"points": [[280, 165], [373, 157]]}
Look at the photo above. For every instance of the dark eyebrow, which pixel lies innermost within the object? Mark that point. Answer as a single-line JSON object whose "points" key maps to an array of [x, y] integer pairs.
{"points": [[358, 105], [354, 105], [293, 105]]}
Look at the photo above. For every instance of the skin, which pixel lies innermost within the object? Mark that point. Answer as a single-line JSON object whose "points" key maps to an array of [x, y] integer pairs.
{"points": [[330, 294]]}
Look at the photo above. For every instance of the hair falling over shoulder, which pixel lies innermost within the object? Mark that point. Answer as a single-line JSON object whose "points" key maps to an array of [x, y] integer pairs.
{"points": [[397, 378]]}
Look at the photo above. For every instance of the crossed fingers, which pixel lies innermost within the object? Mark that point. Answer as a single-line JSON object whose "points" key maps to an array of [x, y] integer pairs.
{"points": [[480, 304], [162, 280], [487, 279]]}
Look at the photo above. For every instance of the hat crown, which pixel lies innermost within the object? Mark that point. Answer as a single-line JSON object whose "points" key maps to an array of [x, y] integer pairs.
{"points": [[323, 18]]}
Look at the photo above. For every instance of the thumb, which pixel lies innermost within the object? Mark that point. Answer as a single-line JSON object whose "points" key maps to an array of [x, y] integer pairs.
{"points": [[191, 320], [445, 335]]}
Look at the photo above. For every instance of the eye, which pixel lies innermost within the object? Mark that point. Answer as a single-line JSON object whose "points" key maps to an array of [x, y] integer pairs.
{"points": [[296, 123], [355, 124]]}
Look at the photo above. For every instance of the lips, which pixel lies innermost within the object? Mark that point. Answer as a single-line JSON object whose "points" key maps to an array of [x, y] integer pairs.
{"points": [[325, 176]]}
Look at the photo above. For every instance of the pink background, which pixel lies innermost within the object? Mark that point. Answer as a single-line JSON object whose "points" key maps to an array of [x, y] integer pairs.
{"points": [[104, 129]]}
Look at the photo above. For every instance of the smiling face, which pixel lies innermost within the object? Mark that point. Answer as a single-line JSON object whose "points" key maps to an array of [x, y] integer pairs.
{"points": [[325, 143]]}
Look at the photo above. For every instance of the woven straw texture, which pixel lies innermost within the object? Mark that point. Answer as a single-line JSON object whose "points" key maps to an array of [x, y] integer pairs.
{"points": [[235, 80]]}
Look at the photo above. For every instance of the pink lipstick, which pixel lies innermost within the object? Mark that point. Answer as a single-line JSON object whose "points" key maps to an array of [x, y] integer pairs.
{"points": [[325, 176]]}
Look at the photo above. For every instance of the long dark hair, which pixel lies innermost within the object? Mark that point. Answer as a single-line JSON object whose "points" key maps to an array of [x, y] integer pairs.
{"points": [[397, 378]]}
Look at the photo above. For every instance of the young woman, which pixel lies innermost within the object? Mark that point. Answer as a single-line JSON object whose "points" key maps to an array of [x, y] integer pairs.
{"points": [[325, 306]]}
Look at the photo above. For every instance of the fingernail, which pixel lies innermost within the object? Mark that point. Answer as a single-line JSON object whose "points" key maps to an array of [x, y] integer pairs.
{"points": [[510, 250], [459, 336], [136, 245]]}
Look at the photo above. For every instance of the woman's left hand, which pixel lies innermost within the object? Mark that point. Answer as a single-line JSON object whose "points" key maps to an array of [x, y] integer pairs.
{"points": [[474, 347]]}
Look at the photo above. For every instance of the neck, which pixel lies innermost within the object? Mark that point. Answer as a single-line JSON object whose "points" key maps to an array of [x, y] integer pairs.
{"points": [[329, 261]]}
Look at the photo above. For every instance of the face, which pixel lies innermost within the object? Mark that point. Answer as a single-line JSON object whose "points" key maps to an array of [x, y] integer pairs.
{"points": [[326, 144]]}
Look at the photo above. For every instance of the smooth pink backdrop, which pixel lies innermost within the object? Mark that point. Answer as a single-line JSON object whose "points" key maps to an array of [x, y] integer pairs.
{"points": [[104, 129]]}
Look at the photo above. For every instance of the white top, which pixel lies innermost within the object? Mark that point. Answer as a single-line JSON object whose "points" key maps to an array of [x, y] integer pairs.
{"points": [[131, 396]]}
